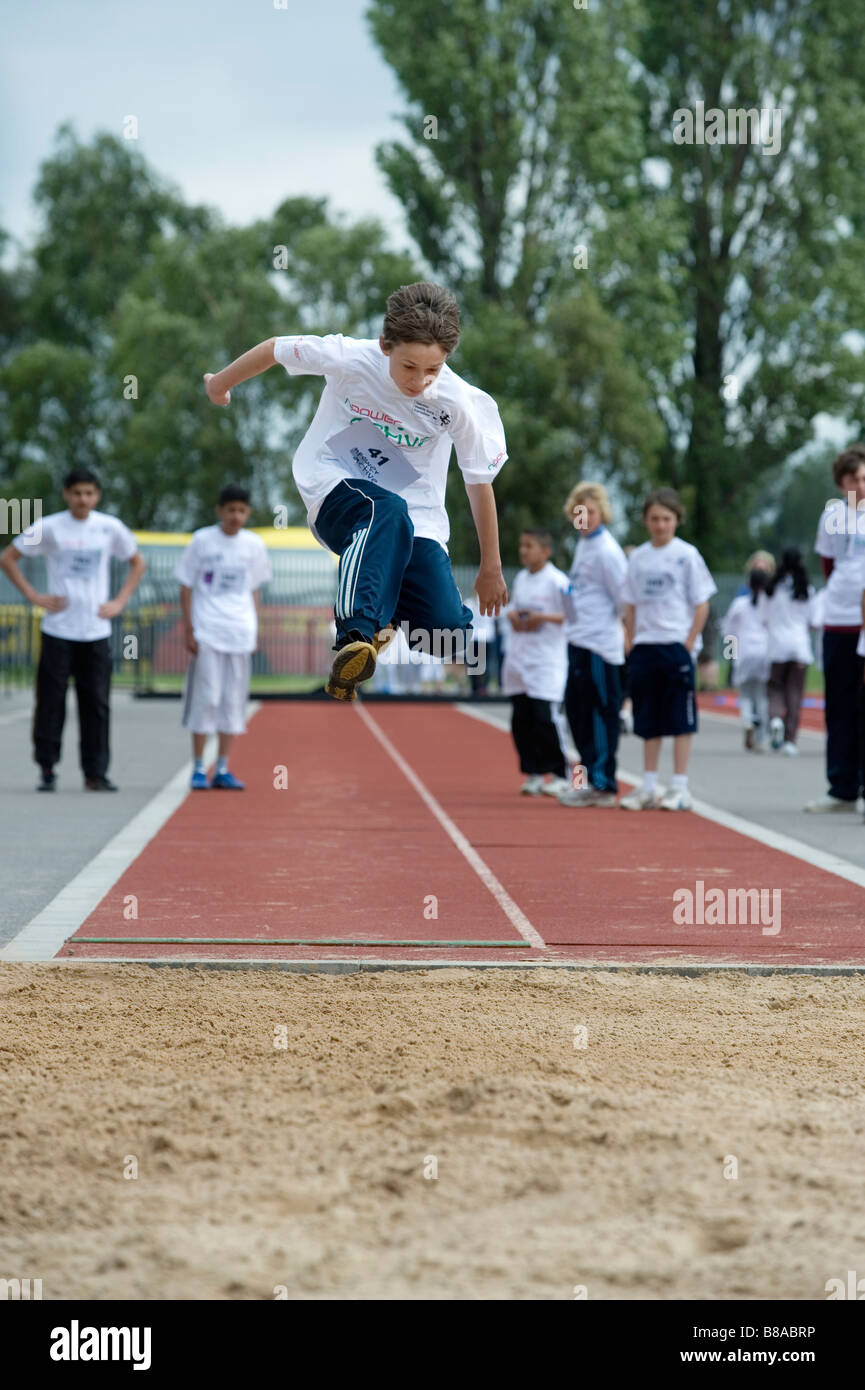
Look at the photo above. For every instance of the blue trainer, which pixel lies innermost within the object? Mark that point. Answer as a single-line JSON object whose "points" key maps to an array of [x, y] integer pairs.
{"points": [[227, 781], [199, 782]]}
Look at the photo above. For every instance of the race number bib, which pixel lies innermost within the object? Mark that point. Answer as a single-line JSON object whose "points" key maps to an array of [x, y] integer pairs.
{"points": [[654, 586], [229, 580], [81, 564], [368, 454]]}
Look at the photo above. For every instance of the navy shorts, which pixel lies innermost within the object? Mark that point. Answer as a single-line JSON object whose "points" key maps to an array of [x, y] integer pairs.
{"points": [[662, 689]]}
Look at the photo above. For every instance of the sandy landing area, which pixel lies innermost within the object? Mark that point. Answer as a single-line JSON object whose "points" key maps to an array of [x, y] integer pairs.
{"points": [[599, 1165]]}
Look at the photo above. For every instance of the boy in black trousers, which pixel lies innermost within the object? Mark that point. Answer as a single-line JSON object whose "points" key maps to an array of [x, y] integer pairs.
{"points": [[78, 545]]}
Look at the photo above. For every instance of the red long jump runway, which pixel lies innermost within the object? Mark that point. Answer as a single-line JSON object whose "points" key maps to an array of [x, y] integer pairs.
{"points": [[353, 852]]}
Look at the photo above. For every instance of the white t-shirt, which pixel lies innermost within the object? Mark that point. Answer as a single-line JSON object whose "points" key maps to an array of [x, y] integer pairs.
{"points": [[223, 572], [536, 663], [483, 624], [789, 621], [747, 622], [841, 537], [665, 583], [597, 574], [78, 563], [424, 428]]}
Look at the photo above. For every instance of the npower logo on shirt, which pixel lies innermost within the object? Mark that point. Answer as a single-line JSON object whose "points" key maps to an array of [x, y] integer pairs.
{"points": [[75, 1343], [400, 437]]}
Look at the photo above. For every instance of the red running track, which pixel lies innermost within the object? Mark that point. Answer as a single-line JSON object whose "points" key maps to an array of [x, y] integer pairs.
{"points": [[351, 850]]}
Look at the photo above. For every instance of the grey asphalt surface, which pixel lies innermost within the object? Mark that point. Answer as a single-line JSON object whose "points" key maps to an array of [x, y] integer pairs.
{"points": [[45, 840]]}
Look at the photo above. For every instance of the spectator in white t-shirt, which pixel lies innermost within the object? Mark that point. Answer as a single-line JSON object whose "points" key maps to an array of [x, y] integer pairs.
{"points": [[596, 647], [840, 544], [220, 573], [791, 612], [535, 665], [746, 623], [78, 545], [666, 594]]}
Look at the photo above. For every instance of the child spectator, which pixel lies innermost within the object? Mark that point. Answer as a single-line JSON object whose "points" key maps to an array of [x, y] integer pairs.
{"points": [[666, 592], [790, 612], [841, 547], [596, 645], [745, 623], [535, 666], [76, 626], [220, 573]]}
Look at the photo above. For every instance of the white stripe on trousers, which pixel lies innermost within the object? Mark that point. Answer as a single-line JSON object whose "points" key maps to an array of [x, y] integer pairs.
{"points": [[342, 612], [344, 565], [348, 573], [358, 558]]}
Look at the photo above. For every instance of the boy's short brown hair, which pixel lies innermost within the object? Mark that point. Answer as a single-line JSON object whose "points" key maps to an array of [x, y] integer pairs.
{"points": [[422, 313], [665, 497], [541, 535], [848, 461]]}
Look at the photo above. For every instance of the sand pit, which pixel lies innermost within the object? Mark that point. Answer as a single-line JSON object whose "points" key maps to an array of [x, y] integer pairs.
{"points": [[303, 1166]]}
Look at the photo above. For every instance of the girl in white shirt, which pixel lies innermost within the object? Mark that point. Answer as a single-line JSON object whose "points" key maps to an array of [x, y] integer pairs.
{"points": [[745, 623], [790, 612]]}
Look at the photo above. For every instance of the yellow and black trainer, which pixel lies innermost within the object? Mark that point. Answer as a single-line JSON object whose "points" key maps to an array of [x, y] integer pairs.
{"points": [[384, 638], [353, 663]]}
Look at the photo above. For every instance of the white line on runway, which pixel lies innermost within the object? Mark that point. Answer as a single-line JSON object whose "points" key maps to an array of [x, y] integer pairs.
{"points": [[772, 839], [514, 914], [43, 936]]}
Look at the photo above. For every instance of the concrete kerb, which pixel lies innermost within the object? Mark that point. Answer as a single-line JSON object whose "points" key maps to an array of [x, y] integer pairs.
{"points": [[350, 967]]}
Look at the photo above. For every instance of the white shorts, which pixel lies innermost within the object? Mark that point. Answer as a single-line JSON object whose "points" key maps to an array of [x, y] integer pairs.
{"points": [[215, 691]]}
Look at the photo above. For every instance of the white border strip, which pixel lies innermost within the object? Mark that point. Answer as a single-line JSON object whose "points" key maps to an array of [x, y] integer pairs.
{"points": [[515, 916], [733, 717], [348, 967], [44, 935], [772, 839]]}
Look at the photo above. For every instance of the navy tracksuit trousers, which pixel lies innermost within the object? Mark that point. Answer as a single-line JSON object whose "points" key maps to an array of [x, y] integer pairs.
{"points": [[386, 573], [845, 715], [592, 702]]}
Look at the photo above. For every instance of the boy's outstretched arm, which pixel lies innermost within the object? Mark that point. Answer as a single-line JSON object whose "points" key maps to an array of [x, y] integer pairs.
{"points": [[218, 384], [490, 584]]}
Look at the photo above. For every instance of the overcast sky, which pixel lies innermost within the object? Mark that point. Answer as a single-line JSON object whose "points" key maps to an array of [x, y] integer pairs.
{"points": [[239, 103]]}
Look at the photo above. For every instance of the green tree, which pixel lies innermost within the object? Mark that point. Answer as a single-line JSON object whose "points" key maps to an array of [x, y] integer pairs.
{"points": [[524, 140], [788, 510], [774, 258], [129, 297]]}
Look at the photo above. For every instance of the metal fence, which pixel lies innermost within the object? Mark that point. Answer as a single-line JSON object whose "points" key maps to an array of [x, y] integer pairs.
{"points": [[296, 627]]}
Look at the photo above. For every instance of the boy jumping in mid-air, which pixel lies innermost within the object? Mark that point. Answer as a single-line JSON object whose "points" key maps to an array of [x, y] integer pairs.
{"points": [[372, 470]]}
